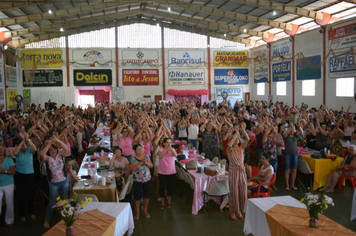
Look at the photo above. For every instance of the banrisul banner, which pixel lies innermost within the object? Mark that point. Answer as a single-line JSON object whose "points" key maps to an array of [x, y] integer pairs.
{"points": [[186, 76], [342, 65], [92, 57], [309, 68], [134, 58], [261, 74], [281, 49], [92, 77], [282, 71], [228, 77], [232, 92], [186, 58], [43, 78]]}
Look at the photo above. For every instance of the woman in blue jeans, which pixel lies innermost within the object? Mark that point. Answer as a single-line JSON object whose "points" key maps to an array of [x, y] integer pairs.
{"points": [[56, 173], [291, 153]]}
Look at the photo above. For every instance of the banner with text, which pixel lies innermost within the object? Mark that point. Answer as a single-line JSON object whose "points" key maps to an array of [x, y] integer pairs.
{"points": [[261, 55], [186, 76], [142, 58], [231, 58], [282, 71], [44, 78], [342, 37], [309, 68], [41, 58], [11, 95], [281, 49], [235, 92], [261, 73], [92, 58], [11, 76], [186, 58], [140, 77], [228, 77], [92, 77], [342, 66]]}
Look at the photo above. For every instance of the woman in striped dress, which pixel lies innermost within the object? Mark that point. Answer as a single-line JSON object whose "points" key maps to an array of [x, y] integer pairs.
{"points": [[237, 175]]}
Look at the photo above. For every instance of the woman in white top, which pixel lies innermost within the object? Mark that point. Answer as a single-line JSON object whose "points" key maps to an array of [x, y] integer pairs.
{"points": [[193, 130]]}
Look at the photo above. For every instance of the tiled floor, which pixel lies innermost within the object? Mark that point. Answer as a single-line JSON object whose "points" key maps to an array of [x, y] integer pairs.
{"points": [[180, 221]]}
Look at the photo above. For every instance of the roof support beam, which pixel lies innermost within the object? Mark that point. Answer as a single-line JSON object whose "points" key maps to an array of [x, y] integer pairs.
{"points": [[8, 5]]}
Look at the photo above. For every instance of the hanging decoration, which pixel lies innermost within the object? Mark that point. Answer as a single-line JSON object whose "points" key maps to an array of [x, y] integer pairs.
{"points": [[188, 92], [106, 88]]}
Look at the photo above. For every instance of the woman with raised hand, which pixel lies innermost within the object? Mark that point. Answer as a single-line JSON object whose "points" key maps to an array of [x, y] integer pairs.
{"points": [[237, 175], [210, 140], [56, 173], [125, 141]]}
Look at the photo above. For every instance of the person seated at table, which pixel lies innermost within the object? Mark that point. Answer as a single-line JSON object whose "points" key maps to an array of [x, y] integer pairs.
{"points": [[71, 173], [140, 166], [348, 162], [118, 160], [120, 181], [263, 176]]}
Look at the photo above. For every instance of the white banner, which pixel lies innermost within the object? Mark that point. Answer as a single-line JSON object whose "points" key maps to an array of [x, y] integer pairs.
{"points": [[235, 93], [11, 76], [281, 49], [186, 76], [261, 55], [91, 57], [134, 58], [186, 58]]}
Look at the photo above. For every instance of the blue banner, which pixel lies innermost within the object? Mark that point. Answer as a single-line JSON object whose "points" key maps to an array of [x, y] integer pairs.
{"points": [[228, 77], [282, 71], [261, 74], [309, 68], [342, 65]]}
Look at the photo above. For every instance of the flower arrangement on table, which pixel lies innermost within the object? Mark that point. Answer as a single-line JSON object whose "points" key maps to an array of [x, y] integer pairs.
{"points": [[316, 203], [70, 210]]}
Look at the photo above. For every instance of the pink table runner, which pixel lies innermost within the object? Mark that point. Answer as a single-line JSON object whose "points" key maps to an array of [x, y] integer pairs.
{"points": [[202, 182]]}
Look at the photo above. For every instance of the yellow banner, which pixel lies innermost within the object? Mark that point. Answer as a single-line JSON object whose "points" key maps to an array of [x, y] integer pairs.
{"points": [[11, 94], [41, 58], [230, 58]]}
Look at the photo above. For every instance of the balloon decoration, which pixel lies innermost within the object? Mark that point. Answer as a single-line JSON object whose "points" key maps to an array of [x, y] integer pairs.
{"points": [[106, 88], [182, 93]]}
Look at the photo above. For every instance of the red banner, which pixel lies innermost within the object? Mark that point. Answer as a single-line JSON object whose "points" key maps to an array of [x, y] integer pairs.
{"points": [[140, 77], [342, 31]]}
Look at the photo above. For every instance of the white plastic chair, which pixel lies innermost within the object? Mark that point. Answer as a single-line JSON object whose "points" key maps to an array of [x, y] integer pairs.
{"points": [[130, 183], [215, 160], [223, 162], [218, 188], [92, 196]]}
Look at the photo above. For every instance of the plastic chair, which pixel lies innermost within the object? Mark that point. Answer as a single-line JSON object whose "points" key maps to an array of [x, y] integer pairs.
{"points": [[218, 188], [303, 168], [202, 154], [254, 170], [92, 196], [223, 162], [344, 177], [125, 190], [215, 160], [267, 194]]}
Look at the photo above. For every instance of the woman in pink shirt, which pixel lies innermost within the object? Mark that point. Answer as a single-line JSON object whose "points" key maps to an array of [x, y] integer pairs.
{"points": [[144, 137], [166, 170], [125, 141]]}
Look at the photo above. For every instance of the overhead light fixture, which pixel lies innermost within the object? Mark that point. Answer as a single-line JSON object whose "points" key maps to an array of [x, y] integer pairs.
{"points": [[6, 46], [49, 11], [169, 9], [224, 35], [208, 45], [61, 29], [274, 13], [245, 30]]}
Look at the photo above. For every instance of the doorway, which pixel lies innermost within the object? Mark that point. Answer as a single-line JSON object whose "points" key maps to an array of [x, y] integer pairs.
{"points": [[158, 98], [87, 100], [247, 97]]}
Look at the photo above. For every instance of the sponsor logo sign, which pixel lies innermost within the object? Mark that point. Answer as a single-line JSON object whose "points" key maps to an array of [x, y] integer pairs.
{"points": [[186, 76], [232, 92], [342, 65], [230, 58], [11, 102], [282, 71], [342, 37], [44, 78], [11, 76], [261, 73], [140, 58], [41, 58], [228, 77], [261, 55], [92, 77], [186, 58], [309, 68], [281, 49], [92, 58], [140, 77]]}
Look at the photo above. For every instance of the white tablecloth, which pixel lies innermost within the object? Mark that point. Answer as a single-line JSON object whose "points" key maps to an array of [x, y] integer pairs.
{"points": [[255, 218], [121, 211], [353, 209]]}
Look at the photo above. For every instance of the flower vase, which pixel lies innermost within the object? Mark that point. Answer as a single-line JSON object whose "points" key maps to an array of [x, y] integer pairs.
{"points": [[312, 222], [69, 231]]}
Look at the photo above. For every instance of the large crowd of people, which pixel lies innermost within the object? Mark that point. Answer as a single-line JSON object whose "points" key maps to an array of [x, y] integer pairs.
{"points": [[43, 143]]}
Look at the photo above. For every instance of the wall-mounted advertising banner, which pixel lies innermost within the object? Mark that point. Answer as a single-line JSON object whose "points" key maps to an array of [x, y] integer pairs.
{"points": [[11, 76], [43, 78], [261, 73], [92, 77], [342, 37], [27, 93], [136, 58], [186, 58], [309, 68], [91, 58], [228, 77], [282, 71], [231, 58], [236, 92], [2, 99], [140, 77], [11, 102], [261, 56], [281, 49], [186, 76], [41, 58], [342, 65]]}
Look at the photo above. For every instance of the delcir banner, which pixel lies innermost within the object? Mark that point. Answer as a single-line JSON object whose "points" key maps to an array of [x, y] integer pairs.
{"points": [[231, 58], [92, 77], [41, 58]]}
